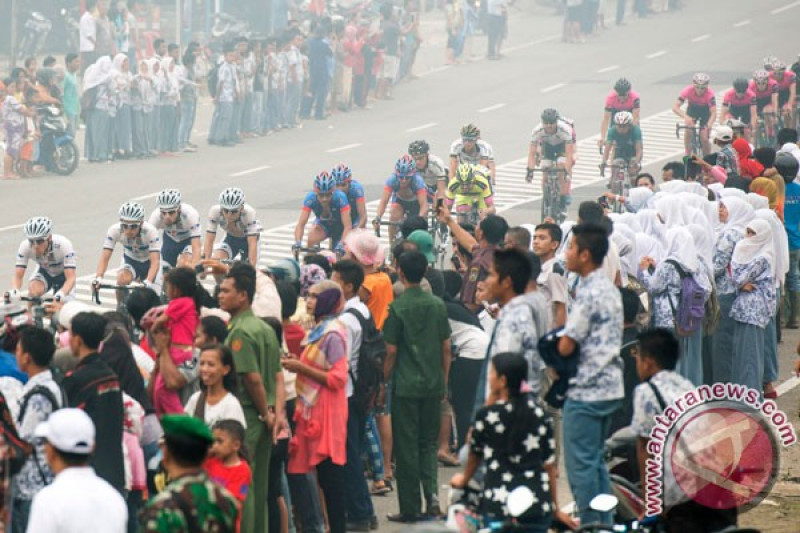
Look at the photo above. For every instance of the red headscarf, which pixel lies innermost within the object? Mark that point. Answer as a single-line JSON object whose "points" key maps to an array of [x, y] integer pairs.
{"points": [[749, 168]]}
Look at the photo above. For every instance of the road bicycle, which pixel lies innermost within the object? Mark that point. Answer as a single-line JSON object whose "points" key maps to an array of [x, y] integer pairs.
{"points": [[620, 182], [123, 292], [766, 134], [38, 307], [551, 192], [695, 142]]}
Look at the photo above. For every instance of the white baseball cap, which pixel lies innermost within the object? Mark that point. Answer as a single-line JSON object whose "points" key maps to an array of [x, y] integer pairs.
{"points": [[69, 430], [723, 133]]}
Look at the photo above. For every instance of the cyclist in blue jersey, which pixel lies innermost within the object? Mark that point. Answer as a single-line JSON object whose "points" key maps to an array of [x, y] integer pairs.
{"points": [[343, 177], [332, 210], [407, 191]]}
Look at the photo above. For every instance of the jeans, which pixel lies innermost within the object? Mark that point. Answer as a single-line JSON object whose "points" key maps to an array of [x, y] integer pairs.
{"points": [[331, 480], [221, 123], [793, 276], [294, 93], [586, 426], [256, 112], [275, 109], [359, 503], [188, 109], [494, 27], [73, 122], [319, 93]]}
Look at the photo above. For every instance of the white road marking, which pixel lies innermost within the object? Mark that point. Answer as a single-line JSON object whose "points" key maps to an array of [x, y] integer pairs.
{"points": [[145, 196], [423, 127], [701, 38], [741, 23], [15, 226], [249, 171], [656, 54], [552, 88], [608, 69], [784, 8], [491, 108], [343, 148], [532, 43]]}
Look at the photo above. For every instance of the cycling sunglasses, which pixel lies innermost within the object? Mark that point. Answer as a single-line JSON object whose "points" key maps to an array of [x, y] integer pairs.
{"points": [[405, 177], [230, 211], [37, 241], [170, 212], [123, 225]]}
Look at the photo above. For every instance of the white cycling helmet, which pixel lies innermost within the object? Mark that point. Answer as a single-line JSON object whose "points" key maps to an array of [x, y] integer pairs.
{"points": [[131, 212], [701, 79], [231, 198], [735, 123], [169, 199], [623, 118], [761, 76], [38, 228], [778, 65]]}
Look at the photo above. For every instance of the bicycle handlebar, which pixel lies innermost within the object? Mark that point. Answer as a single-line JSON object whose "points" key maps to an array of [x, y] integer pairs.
{"points": [[98, 286], [36, 300]]}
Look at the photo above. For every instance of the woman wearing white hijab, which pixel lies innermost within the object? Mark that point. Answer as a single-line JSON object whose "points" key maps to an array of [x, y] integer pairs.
{"points": [[673, 186], [732, 191], [122, 127], [97, 90], [141, 110], [664, 287], [672, 210], [625, 238], [753, 269], [780, 242], [652, 225], [734, 214], [757, 201], [170, 97]]}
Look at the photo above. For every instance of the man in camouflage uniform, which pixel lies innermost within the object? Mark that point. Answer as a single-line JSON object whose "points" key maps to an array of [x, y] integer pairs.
{"points": [[191, 502]]}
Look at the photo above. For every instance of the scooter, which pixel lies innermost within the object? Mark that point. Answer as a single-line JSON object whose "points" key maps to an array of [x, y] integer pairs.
{"points": [[36, 29], [57, 149]]}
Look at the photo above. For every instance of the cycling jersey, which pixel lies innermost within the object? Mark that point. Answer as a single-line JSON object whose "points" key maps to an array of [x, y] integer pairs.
{"points": [[185, 228], [59, 257], [393, 185], [244, 226], [739, 105], [789, 79], [338, 205], [763, 96], [480, 193], [699, 105], [554, 145], [139, 247], [614, 105], [355, 195], [434, 171], [483, 151], [625, 143]]}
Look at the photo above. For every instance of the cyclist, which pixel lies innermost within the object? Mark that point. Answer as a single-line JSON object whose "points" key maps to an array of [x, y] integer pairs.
{"points": [[470, 188], [180, 225], [332, 210], [407, 191], [553, 142], [242, 229], [622, 98], [787, 90], [354, 191], [471, 149], [739, 103], [766, 92], [431, 168], [701, 108], [625, 139], [54, 257], [141, 249]]}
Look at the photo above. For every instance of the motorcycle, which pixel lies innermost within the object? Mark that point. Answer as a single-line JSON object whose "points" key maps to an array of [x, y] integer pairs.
{"points": [[37, 27], [57, 150], [226, 28]]}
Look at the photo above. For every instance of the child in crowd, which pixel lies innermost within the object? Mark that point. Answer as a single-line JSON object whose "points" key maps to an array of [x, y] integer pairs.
{"points": [[227, 461]]}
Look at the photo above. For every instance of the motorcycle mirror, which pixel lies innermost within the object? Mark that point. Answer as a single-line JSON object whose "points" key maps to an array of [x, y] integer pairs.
{"points": [[603, 503], [519, 501]]}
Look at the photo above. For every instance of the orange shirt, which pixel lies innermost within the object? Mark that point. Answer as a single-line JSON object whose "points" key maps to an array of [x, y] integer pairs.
{"points": [[379, 286]]}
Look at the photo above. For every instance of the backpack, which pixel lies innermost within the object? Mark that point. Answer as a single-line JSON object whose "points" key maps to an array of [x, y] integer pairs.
{"points": [[565, 367], [691, 306], [213, 80], [46, 393], [370, 364], [16, 450]]}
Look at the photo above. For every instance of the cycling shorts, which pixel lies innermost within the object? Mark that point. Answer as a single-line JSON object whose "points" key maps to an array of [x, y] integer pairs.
{"points": [[741, 112], [625, 151], [51, 283], [236, 246], [333, 229], [761, 103], [783, 97], [700, 113], [139, 271], [411, 207], [171, 249], [554, 152]]}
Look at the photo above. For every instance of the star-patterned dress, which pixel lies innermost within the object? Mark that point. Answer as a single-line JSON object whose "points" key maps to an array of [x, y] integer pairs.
{"points": [[513, 464]]}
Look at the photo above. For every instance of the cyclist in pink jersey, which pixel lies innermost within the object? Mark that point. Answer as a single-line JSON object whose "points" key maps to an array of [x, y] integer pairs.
{"points": [[786, 81], [701, 109], [739, 103], [622, 98], [766, 91]]}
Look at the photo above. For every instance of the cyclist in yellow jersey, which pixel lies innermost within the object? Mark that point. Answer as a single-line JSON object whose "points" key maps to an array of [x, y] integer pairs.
{"points": [[470, 188]]}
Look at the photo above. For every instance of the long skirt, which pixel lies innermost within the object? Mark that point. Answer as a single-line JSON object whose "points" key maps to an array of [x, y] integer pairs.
{"points": [[98, 135], [771, 351], [721, 360], [123, 130], [141, 132], [748, 355], [155, 126], [168, 132], [690, 363]]}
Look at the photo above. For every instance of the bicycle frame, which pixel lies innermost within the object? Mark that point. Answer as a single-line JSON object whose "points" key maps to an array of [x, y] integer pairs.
{"points": [[551, 193], [695, 144]]}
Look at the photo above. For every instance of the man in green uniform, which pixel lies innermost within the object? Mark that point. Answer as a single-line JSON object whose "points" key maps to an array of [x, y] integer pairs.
{"points": [[257, 359], [417, 336], [191, 502]]}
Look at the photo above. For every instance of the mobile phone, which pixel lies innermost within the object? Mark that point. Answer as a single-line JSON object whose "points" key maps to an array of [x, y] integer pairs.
{"points": [[439, 203], [456, 262], [651, 269]]}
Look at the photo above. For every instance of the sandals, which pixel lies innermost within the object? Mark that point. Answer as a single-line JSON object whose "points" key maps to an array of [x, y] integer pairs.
{"points": [[381, 488], [448, 460]]}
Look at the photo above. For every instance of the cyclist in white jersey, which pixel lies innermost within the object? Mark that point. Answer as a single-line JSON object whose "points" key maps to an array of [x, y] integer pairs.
{"points": [[54, 258], [180, 226], [242, 230], [553, 143], [141, 249], [431, 168], [471, 149]]}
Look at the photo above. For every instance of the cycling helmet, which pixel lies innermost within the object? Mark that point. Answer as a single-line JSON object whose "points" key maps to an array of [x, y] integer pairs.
{"points": [[778, 66], [735, 124], [131, 212], [341, 174], [740, 85], [549, 116], [38, 227], [623, 118], [465, 173], [470, 132], [406, 166], [761, 76], [419, 147], [701, 79], [323, 182], [768, 61], [169, 199], [231, 198], [622, 85], [786, 165]]}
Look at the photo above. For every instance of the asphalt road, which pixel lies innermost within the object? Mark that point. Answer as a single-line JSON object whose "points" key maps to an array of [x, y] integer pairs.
{"points": [[726, 38]]}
